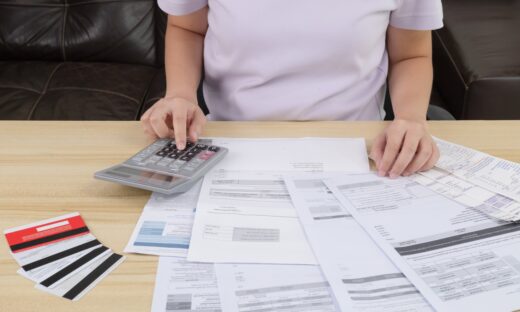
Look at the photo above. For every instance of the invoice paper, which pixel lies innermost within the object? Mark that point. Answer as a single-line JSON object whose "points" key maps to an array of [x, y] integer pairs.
{"points": [[273, 287], [468, 194], [497, 175], [362, 278], [244, 213], [459, 258], [164, 227], [185, 286]]}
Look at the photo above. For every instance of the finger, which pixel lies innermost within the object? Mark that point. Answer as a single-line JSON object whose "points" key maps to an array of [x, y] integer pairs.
{"points": [[433, 159], [179, 127], [145, 123], [196, 126], [158, 121], [394, 139], [406, 154], [424, 152], [378, 147]]}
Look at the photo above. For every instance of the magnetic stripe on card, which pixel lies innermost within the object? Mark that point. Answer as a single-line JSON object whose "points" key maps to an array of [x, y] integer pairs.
{"points": [[73, 266], [92, 276], [48, 239], [60, 255]]}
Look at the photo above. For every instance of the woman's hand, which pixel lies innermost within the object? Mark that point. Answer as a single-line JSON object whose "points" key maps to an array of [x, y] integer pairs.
{"points": [[175, 118], [403, 148]]}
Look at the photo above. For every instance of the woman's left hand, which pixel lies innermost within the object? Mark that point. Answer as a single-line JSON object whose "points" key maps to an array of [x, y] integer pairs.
{"points": [[403, 148]]}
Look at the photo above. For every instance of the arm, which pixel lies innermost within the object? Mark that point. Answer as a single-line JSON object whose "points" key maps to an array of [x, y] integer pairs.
{"points": [[178, 112], [406, 146]]}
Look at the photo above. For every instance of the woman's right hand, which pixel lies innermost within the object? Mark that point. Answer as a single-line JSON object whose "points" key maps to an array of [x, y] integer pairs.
{"points": [[174, 117]]}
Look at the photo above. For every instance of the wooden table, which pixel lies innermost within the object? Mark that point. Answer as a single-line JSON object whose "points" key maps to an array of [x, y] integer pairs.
{"points": [[46, 170]]}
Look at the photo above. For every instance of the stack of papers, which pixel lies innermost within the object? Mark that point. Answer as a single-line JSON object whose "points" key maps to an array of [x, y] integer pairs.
{"points": [[302, 225], [476, 179], [61, 255]]}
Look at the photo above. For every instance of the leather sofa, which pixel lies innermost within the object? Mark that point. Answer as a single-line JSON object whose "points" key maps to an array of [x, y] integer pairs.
{"points": [[477, 59], [103, 60], [80, 59]]}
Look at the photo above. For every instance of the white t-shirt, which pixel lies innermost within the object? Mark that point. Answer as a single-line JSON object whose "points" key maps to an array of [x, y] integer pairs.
{"points": [[301, 59]]}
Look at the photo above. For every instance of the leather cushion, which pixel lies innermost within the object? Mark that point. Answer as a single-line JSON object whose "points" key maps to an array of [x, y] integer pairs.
{"points": [[73, 91], [122, 31], [476, 58]]}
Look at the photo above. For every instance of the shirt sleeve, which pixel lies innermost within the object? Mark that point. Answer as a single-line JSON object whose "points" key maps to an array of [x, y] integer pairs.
{"points": [[417, 15], [183, 7]]}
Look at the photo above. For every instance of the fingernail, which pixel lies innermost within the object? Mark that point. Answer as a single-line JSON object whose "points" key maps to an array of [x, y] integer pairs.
{"points": [[381, 173], [393, 175], [406, 174]]}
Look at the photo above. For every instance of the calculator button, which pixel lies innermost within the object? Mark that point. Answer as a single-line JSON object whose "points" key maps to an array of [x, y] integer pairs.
{"points": [[190, 154], [167, 150], [164, 162], [202, 146], [206, 155], [153, 159], [185, 158], [194, 164], [214, 148], [176, 165], [161, 153], [195, 150]]}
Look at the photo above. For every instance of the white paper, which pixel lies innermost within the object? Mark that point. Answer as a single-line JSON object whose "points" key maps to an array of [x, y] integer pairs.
{"points": [[497, 175], [244, 213], [459, 258], [468, 194], [271, 288], [164, 227], [360, 275], [185, 286]]}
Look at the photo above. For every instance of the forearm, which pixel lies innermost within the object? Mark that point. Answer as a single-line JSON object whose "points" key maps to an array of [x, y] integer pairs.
{"points": [[410, 84], [183, 62]]}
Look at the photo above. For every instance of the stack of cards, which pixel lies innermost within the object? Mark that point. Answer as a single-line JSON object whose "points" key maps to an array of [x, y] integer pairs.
{"points": [[61, 255]]}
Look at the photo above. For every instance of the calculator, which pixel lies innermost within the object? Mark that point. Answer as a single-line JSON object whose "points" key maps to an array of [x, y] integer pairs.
{"points": [[162, 167]]}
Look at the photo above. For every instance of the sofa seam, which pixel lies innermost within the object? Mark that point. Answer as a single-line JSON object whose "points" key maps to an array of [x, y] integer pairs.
{"points": [[97, 90], [147, 91], [64, 22], [44, 91], [451, 60], [21, 88], [457, 70]]}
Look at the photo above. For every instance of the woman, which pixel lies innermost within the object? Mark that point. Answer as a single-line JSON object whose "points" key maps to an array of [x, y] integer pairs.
{"points": [[303, 60]]}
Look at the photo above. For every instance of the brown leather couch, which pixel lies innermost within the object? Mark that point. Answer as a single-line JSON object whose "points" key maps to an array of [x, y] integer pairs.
{"points": [[80, 59], [103, 60], [477, 59]]}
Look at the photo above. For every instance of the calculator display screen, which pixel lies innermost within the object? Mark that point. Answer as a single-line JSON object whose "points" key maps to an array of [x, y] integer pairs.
{"points": [[143, 177]]}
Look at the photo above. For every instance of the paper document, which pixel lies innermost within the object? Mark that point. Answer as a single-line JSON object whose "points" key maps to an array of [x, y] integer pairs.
{"points": [[362, 278], [244, 213], [272, 288], [497, 175], [468, 194], [164, 227], [459, 258], [184, 286]]}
